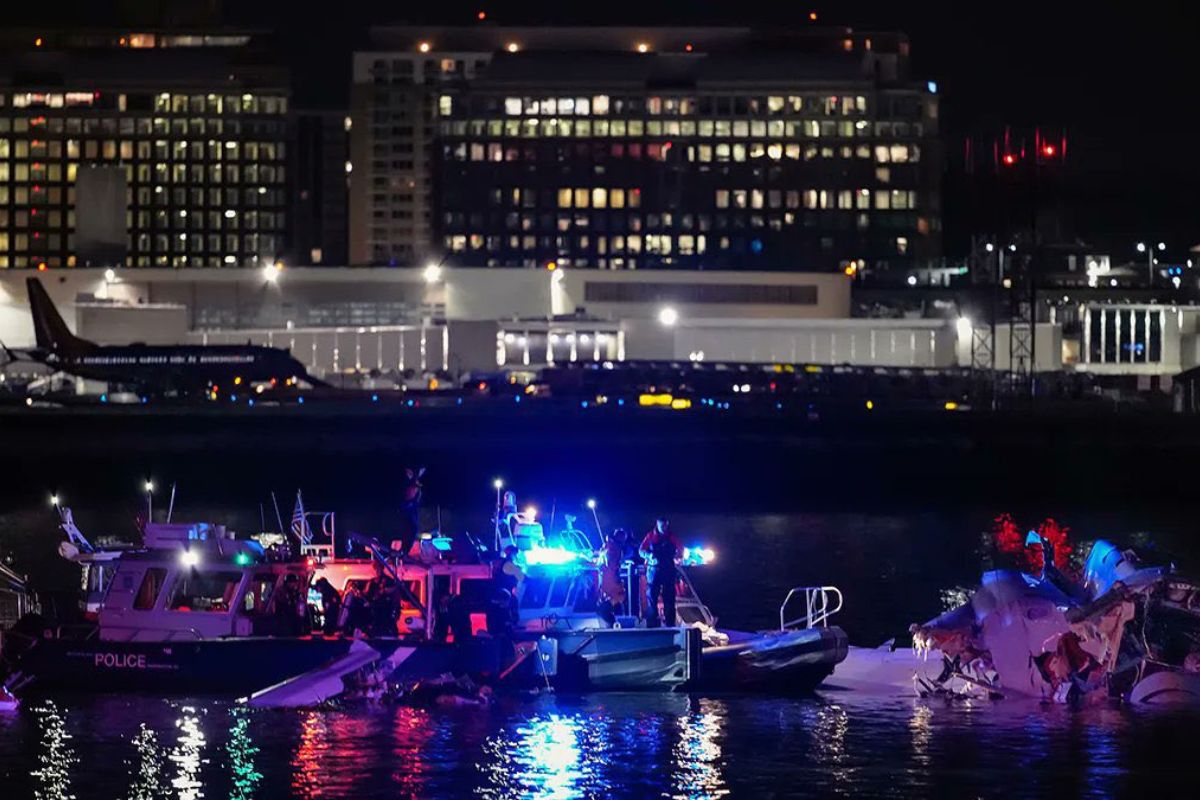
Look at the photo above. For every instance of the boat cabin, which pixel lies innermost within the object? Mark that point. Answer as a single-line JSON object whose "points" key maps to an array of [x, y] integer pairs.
{"points": [[209, 590]]}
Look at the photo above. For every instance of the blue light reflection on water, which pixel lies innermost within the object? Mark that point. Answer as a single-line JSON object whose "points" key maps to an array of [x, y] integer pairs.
{"points": [[597, 746]]}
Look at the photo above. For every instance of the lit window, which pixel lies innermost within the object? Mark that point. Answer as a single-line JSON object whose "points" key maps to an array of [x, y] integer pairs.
{"points": [[600, 104], [581, 198], [599, 198], [445, 105], [512, 106], [616, 198], [902, 245]]}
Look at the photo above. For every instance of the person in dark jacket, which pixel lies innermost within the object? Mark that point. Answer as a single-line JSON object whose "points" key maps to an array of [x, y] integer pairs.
{"points": [[331, 606], [660, 549], [410, 509]]}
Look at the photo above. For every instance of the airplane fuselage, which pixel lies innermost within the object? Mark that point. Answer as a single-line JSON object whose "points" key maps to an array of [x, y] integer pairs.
{"points": [[183, 367]]}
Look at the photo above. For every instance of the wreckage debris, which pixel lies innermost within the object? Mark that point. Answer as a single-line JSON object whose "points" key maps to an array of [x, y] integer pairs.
{"points": [[1123, 631]]}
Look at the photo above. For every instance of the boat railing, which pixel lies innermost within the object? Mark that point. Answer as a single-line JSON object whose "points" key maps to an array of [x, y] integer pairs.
{"points": [[690, 600], [820, 603]]}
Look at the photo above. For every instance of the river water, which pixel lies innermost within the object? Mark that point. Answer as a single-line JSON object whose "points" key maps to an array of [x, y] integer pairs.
{"points": [[612, 746]]}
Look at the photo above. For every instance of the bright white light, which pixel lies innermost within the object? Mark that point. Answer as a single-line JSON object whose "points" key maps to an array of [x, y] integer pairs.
{"points": [[989, 247], [432, 273], [549, 556], [931, 86], [1176, 281], [1012, 248], [912, 280], [271, 272], [1162, 245], [230, 259], [964, 327], [110, 275], [584, 338], [230, 213], [1112, 282], [668, 316], [54, 500], [591, 503], [189, 558], [149, 486], [642, 47], [509, 338], [497, 484], [512, 47], [423, 47], [531, 513], [1141, 247]]}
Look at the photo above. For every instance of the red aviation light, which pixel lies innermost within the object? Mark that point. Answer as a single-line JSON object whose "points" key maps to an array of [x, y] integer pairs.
{"points": [[1049, 150], [1009, 159]]}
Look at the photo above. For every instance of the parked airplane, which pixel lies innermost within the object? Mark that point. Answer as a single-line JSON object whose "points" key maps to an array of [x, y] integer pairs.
{"points": [[165, 368]]}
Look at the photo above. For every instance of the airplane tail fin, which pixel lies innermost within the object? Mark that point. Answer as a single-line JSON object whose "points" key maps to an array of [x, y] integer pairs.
{"points": [[48, 326]]}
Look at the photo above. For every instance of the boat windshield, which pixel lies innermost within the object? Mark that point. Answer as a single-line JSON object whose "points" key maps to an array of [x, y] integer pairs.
{"points": [[204, 591]]}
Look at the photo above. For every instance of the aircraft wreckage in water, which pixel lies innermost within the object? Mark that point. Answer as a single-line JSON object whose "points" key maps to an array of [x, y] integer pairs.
{"points": [[1126, 631]]}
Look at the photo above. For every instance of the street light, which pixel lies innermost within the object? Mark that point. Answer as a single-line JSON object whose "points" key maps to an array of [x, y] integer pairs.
{"points": [[668, 316], [591, 504], [1145, 247], [149, 487], [433, 272]]}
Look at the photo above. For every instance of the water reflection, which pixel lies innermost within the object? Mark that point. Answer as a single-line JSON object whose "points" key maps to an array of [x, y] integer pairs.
{"points": [[241, 751], [55, 757], [697, 755], [829, 745], [188, 755], [148, 779], [541, 758]]}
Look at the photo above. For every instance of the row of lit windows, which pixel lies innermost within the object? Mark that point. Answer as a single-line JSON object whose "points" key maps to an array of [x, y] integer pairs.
{"points": [[229, 220], [650, 244], [148, 243], [147, 173], [159, 149], [140, 126], [602, 104], [842, 199], [531, 128], [161, 103], [253, 197], [737, 152], [455, 222], [22, 260]]}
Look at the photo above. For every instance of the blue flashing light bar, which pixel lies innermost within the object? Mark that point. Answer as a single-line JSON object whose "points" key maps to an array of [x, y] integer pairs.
{"points": [[698, 556]]}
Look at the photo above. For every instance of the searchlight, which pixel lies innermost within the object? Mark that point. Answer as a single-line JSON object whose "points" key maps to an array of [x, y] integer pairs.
{"points": [[189, 558], [549, 556]]}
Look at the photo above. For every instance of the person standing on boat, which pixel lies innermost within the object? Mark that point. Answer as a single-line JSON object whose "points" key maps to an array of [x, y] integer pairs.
{"points": [[612, 590], [410, 509], [660, 549]]}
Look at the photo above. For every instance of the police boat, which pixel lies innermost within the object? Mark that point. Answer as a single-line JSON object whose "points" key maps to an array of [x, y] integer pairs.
{"points": [[195, 610]]}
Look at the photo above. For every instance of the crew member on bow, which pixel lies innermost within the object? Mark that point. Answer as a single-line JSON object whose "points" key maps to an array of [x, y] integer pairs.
{"points": [[660, 549]]}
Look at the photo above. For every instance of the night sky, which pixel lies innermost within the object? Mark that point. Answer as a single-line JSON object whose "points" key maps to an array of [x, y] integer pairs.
{"points": [[1120, 77]]}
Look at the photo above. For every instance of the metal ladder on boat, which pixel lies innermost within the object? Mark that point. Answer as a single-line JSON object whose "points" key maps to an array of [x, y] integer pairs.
{"points": [[820, 603]]}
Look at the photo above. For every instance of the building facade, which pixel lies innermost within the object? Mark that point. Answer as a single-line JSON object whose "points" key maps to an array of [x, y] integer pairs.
{"points": [[141, 149], [624, 148]]}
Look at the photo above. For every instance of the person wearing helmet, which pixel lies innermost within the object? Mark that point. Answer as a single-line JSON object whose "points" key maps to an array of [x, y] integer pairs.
{"points": [[660, 549]]}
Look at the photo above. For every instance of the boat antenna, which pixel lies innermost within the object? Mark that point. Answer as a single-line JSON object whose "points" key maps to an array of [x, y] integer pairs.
{"points": [[553, 508], [262, 518], [171, 504], [278, 517], [439, 517]]}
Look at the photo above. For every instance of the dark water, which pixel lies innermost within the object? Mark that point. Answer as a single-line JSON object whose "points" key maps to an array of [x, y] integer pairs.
{"points": [[597, 746]]}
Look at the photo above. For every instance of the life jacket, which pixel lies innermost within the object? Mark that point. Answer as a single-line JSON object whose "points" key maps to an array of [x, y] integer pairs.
{"points": [[663, 551]]}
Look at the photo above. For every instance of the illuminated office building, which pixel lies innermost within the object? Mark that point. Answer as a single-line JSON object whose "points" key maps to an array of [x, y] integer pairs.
{"points": [[141, 149], [626, 148]]}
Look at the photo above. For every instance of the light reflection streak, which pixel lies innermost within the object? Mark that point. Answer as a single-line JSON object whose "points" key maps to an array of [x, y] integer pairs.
{"points": [[829, 744], [543, 760], [314, 735], [55, 757], [149, 781], [187, 756], [241, 750], [921, 727], [698, 756]]}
